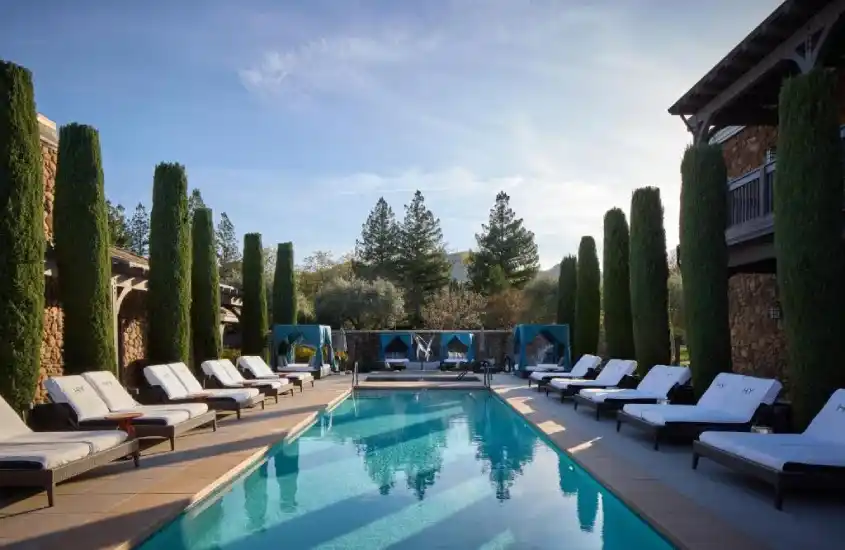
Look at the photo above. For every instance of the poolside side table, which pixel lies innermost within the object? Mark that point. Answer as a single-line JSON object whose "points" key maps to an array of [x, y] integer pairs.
{"points": [[124, 421]]}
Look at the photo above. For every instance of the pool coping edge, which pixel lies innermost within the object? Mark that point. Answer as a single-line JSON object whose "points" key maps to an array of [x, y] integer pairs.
{"points": [[655, 523], [231, 475]]}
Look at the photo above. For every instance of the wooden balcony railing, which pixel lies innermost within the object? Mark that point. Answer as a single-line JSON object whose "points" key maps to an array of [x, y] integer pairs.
{"points": [[751, 203]]}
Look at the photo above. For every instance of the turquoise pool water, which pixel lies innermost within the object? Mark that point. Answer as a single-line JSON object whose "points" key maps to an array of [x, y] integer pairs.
{"points": [[415, 470]]}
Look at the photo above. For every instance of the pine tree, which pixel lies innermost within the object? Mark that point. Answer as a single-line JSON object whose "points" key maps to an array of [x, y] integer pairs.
{"points": [[205, 290], [377, 250], [21, 238], [616, 286], [422, 262], [169, 285], [505, 242], [82, 253], [139, 231], [195, 202], [118, 227], [254, 310], [228, 251]]}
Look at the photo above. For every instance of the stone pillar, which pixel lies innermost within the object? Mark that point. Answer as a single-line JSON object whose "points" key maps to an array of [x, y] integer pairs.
{"points": [[49, 152]]}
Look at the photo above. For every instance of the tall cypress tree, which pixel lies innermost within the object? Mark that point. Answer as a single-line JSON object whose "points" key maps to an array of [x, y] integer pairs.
{"points": [[587, 299], [422, 257], [649, 276], [377, 250], [808, 238], [618, 326], [567, 288], [504, 242], [80, 222], [205, 289], [704, 262], [169, 284], [21, 238], [254, 310], [284, 287]]}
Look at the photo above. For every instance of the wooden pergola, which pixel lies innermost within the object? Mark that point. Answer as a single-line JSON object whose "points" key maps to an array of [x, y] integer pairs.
{"points": [[130, 272], [742, 89]]}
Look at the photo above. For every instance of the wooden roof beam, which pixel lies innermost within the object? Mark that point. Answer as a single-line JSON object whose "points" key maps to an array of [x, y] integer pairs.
{"points": [[821, 22]]}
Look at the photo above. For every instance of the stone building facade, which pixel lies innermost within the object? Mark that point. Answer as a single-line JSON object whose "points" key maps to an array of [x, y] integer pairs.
{"points": [[131, 323]]}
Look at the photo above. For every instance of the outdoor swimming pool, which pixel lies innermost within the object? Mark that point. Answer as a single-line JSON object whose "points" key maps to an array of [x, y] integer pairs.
{"points": [[405, 469]]}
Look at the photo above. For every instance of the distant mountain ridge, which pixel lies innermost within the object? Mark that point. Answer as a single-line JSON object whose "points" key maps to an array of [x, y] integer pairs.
{"points": [[459, 268]]}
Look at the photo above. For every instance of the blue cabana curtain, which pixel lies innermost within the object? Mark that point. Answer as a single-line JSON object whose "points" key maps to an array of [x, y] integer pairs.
{"points": [[464, 338], [555, 334], [386, 338]]}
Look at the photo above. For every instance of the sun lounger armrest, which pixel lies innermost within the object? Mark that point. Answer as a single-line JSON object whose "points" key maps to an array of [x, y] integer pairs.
{"points": [[151, 395], [591, 374], [777, 416], [50, 417], [682, 395]]}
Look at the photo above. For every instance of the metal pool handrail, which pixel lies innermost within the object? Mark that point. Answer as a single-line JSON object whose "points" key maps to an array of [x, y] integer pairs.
{"points": [[355, 375]]}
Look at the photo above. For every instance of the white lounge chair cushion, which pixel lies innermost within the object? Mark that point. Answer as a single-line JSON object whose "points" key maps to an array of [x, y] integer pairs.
{"points": [[301, 376], [164, 377], [660, 379], [660, 415], [235, 374], [187, 378], [78, 393], [256, 366], [611, 375], [778, 450], [96, 440], [579, 370], [11, 425], [600, 395], [543, 367], [564, 383], [293, 367], [550, 375], [47, 456], [110, 391], [240, 395], [214, 369], [191, 409], [829, 423]]}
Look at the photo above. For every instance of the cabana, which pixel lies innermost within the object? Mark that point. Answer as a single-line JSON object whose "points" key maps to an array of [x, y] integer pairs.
{"points": [[396, 348], [559, 353], [319, 337], [455, 348]]}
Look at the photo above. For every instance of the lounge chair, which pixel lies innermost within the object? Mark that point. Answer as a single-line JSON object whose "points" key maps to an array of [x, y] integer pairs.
{"points": [[226, 376], [729, 404], [812, 459], [585, 368], [175, 383], [44, 459], [656, 386], [611, 376], [254, 366], [165, 421]]}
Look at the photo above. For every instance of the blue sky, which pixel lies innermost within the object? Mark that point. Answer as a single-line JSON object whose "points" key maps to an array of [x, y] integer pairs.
{"points": [[294, 117]]}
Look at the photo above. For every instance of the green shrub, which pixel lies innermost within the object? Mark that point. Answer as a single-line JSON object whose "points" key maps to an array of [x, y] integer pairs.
{"points": [[231, 354], [587, 300], [21, 238], [567, 287], [81, 235], [618, 326], [808, 229], [169, 284], [649, 280], [284, 287], [704, 262], [205, 289], [254, 310], [303, 354]]}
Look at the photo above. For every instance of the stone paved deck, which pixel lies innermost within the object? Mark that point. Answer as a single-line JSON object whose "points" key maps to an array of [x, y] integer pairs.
{"points": [[707, 509], [117, 506]]}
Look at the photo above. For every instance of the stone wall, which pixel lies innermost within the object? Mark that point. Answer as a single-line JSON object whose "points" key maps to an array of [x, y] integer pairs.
{"points": [[51, 345], [133, 337], [758, 341]]}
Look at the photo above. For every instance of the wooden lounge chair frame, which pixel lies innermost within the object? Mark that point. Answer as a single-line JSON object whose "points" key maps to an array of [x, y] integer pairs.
{"points": [[47, 479], [156, 395], [543, 382], [792, 476], [63, 415], [677, 395], [684, 431]]}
